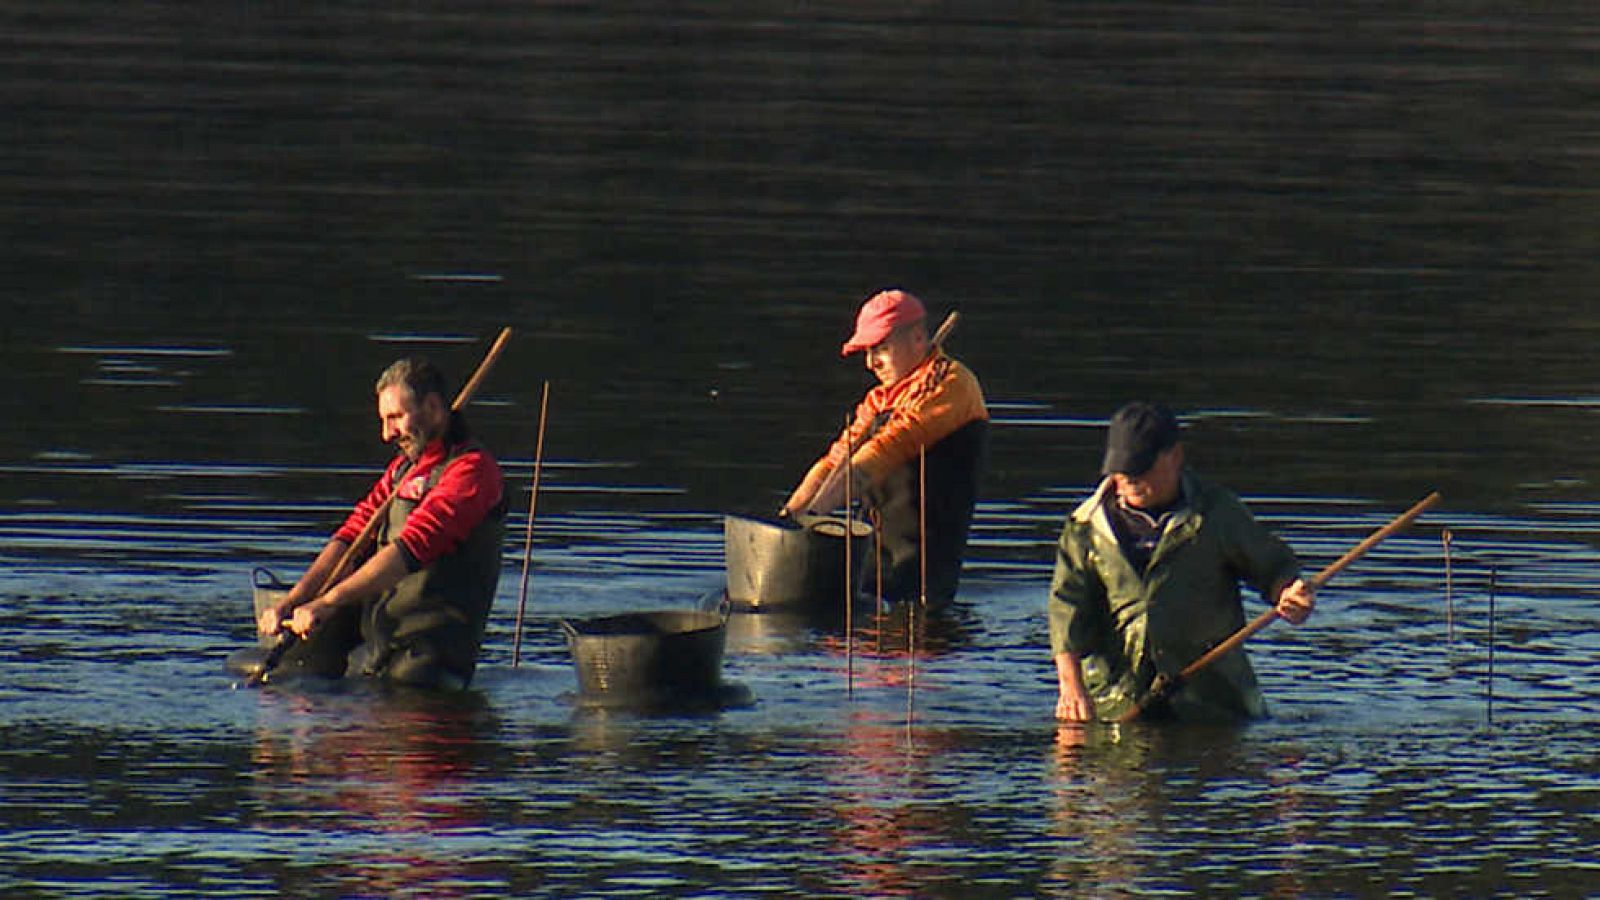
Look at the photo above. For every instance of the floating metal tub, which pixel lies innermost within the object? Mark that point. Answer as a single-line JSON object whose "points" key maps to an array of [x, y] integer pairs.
{"points": [[671, 657], [782, 565]]}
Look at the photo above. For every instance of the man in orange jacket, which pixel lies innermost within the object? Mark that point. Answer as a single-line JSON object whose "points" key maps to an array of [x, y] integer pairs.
{"points": [[925, 402]]}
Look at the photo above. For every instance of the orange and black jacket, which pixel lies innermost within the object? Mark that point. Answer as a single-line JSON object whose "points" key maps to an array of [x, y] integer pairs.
{"points": [[937, 409]]}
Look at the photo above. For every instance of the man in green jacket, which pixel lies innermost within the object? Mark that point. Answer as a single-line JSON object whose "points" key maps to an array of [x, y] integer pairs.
{"points": [[1147, 579]]}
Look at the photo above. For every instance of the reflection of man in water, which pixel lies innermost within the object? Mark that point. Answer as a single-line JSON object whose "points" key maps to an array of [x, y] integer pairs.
{"points": [[924, 399], [384, 778], [418, 606]]}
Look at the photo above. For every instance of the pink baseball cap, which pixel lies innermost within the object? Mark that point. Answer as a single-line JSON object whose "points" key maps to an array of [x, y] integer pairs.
{"points": [[881, 314]]}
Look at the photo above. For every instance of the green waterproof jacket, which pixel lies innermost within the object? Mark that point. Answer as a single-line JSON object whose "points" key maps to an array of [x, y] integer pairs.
{"points": [[1126, 626]]}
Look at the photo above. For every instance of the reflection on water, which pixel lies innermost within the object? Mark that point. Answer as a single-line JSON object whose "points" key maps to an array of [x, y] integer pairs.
{"points": [[888, 831], [515, 790], [1354, 248], [936, 771], [397, 771]]}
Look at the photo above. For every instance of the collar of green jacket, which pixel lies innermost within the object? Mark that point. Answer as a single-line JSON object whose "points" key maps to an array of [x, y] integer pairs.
{"points": [[1184, 523]]}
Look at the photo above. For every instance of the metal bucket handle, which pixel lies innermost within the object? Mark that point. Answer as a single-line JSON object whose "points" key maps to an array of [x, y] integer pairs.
{"points": [[264, 578], [829, 526]]}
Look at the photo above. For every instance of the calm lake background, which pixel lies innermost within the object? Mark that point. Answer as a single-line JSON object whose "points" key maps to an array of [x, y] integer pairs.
{"points": [[1356, 248]]}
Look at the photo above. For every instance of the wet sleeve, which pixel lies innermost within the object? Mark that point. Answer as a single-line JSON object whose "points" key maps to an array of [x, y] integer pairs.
{"points": [[1260, 557], [466, 492], [1077, 605]]}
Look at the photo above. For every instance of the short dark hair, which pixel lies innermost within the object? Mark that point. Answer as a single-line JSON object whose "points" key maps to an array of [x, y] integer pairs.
{"points": [[417, 375]]}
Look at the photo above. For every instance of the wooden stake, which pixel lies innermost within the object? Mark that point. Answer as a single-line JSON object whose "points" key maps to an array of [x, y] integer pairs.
{"points": [[1488, 708], [877, 577], [849, 581], [527, 544], [922, 588], [1449, 601]]}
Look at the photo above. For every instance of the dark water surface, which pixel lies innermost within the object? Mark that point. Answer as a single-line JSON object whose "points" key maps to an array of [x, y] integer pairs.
{"points": [[1355, 246]]}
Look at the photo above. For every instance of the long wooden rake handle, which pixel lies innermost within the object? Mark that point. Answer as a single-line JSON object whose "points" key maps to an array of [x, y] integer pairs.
{"points": [[527, 545], [1164, 686]]}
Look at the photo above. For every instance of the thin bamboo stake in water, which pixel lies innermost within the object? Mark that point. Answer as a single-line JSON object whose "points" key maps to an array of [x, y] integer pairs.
{"points": [[849, 601], [877, 577], [1488, 709], [527, 544], [922, 588], [1449, 600]]}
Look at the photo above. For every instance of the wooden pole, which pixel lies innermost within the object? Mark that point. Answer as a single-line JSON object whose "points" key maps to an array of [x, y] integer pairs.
{"points": [[877, 578], [942, 334], [922, 583], [1449, 599], [849, 581], [288, 639], [1164, 687], [527, 544], [1488, 681]]}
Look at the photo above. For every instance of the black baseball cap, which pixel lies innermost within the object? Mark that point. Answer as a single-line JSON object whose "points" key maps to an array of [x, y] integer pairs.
{"points": [[1139, 433]]}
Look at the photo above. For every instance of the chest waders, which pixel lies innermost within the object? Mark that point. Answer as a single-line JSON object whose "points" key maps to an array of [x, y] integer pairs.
{"points": [[427, 629], [954, 464]]}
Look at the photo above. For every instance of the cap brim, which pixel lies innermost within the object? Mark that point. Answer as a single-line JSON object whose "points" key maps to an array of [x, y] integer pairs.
{"points": [[864, 340], [1131, 464]]}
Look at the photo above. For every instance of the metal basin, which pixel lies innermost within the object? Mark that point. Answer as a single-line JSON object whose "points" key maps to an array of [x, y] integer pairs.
{"points": [[648, 657], [792, 566]]}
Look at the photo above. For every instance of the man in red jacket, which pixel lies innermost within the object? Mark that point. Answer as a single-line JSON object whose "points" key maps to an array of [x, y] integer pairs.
{"points": [[414, 611]]}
